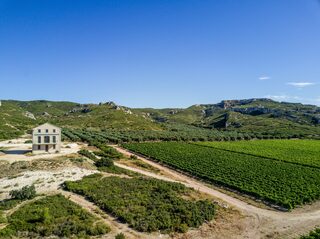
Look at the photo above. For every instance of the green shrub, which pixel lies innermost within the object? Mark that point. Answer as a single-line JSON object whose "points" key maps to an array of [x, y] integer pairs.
{"points": [[27, 192], [29, 141], [133, 157], [3, 218], [87, 154], [120, 236], [9, 203], [104, 162]]}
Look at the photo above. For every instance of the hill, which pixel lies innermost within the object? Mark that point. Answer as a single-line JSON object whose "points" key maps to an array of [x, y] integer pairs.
{"points": [[253, 116]]}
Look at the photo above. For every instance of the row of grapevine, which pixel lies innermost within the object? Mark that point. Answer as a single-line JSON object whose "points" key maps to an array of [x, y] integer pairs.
{"points": [[277, 182], [171, 134], [303, 152]]}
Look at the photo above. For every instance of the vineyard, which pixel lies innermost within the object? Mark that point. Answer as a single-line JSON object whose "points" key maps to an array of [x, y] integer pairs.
{"points": [[52, 217], [146, 204], [304, 152], [170, 133], [277, 182]]}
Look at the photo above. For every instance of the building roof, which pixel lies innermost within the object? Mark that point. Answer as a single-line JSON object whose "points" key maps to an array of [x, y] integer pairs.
{"points": [[40, 126]]}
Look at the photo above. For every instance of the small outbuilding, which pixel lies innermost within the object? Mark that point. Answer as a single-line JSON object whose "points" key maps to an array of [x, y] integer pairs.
{"points": [[46, 138]]}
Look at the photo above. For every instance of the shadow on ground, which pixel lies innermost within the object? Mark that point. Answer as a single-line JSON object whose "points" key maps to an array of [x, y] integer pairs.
{"points": [[16, 151]]}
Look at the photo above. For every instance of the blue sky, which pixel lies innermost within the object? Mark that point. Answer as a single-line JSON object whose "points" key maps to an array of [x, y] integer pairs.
{"points": [[160, 53]]}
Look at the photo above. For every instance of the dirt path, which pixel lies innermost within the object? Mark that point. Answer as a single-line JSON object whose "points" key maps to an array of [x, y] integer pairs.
{"points": [[268, 223]]}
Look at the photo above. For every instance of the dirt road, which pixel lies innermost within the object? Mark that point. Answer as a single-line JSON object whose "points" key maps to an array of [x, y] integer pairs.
{"points": [[268, 223]]}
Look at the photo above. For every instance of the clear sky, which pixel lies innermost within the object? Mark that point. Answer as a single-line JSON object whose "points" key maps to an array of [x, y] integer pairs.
{"points": [[160, 53]]}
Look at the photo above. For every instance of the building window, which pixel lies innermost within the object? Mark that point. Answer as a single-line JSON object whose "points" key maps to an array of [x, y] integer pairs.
{"points": [[39, 147], [47, 139], [54, 146], [39, 130], [54, 131], [47, 131], [39, 139], [54, 140]]}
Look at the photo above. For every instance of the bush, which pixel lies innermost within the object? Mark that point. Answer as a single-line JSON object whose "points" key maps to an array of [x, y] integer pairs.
{"points": [[87, 154], [120, 236], [28, 141], [104, 162], [133, 157], [27, 192]]}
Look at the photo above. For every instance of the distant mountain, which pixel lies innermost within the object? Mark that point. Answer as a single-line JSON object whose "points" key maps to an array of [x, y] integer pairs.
{"points": [[263, 116]]}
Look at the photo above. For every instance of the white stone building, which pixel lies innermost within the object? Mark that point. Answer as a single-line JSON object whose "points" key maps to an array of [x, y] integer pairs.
{"points": [[46, 138]]}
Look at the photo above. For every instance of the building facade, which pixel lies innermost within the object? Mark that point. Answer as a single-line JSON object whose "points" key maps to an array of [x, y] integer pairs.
{"points": [[46, 138]]}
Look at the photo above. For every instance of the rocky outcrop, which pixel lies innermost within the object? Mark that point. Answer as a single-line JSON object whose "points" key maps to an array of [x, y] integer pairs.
{"points": [[316, 119], [81, 109], [227, 104], [253, 110], [173, 112], [29, 115]]}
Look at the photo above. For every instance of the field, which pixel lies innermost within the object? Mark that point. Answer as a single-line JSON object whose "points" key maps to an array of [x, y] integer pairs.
{"points": [[145, 204], [304, 152], [52, 215], [281, 183]]}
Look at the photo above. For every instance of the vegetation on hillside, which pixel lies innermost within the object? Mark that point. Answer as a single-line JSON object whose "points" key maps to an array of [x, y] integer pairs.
{"points": [[280, 183], [228, 120], [145, 204]]}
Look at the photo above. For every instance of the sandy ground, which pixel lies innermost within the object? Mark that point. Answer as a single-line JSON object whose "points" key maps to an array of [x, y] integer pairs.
{"points": [[16, 150], [264, 223], [44, 181]]}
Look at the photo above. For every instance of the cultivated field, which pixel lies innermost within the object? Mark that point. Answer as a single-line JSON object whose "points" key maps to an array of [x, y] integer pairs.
{"points": [[284, 184], [304, 152]]}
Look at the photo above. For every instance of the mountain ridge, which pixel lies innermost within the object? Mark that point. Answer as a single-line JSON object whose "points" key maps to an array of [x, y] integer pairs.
{"points": [[261, 115]]}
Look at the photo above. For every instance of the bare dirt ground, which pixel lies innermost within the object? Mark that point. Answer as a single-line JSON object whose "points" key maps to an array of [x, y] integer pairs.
{"points": [[264, 223], [17, 150], [45, 181]]}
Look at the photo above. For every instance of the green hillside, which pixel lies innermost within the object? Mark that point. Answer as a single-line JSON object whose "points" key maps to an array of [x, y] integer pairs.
{"points": [[258, 117]]}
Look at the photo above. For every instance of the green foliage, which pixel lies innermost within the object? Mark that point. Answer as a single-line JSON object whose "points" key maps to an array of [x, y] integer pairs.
{"points": [[312, 235], [117, 170], [53, 215], [145, 204], [87, 154], [104, 162], [7, 204], [120, 236], [133, 157], [304, 152], [27, 192], [281, 183], [3, 218], [28, 141]]}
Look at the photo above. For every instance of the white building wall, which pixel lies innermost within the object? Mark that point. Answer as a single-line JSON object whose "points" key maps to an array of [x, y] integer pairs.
{"points": [[46, 131]]}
